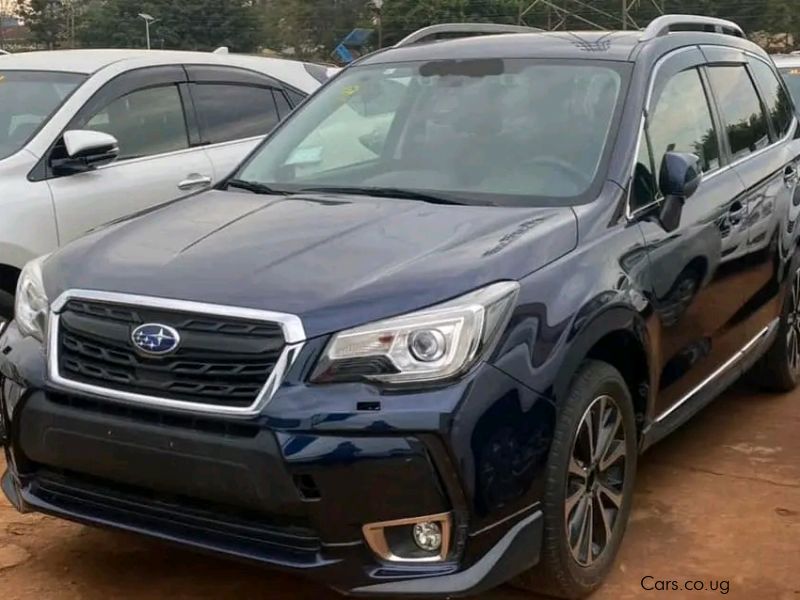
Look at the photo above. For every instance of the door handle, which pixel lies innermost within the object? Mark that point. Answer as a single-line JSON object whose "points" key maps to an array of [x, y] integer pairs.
{"points": [[790, 174], [195, 180]]}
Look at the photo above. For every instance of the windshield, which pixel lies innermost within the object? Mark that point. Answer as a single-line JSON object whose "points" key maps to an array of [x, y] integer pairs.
{"points": [[27, 100], [513, 131], [792, 77]]}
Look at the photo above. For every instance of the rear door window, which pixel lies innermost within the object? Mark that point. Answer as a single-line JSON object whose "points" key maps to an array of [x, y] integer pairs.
{"points": [[745, 122], [775, 96], [229, 112]]}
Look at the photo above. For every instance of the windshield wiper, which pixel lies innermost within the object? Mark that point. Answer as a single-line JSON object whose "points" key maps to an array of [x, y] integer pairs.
{"points": [[255, 187], [386, 192]]}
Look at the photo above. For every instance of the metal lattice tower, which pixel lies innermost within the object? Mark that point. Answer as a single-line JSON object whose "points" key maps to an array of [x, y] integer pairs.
{"points": [[558, 11]]}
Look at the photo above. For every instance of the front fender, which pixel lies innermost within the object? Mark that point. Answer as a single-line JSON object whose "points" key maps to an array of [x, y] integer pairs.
{"points": [[28, 222], [565, 309]]}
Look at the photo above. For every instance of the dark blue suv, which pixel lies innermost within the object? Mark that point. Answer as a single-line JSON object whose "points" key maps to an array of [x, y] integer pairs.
{"points": [[415, 344]]}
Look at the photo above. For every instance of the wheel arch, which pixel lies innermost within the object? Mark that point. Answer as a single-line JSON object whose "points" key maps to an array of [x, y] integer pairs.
{"points": [[8, 278], [14, 258], [619, 337], [699, 264]]}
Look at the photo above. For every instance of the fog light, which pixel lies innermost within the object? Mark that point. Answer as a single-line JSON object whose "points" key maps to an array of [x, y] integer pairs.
{"points": [[419, 539], [427, 345], [428, 536]]}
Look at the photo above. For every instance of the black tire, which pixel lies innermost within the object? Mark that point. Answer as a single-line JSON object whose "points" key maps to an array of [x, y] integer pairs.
{"points": [[560, 572], [6, 306], [779, 369]]}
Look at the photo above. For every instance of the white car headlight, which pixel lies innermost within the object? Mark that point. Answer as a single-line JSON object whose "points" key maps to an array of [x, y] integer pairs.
{"points": [[32, 307], [432, 344]]}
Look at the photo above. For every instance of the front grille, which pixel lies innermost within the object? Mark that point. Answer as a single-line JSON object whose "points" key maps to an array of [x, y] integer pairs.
{"points": [[221, 361]]}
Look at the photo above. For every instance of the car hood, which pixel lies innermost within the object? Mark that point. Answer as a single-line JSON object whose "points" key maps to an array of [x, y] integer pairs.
{"points": [[335, 261]]}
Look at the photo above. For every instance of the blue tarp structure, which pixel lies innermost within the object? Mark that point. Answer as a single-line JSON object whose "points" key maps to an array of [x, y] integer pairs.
{"points": [[353, 45]]}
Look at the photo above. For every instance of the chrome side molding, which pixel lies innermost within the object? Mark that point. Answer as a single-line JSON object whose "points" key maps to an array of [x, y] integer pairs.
{"points": [[731, 362]]}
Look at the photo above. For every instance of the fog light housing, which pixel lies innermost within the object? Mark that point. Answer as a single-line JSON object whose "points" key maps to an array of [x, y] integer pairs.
{"points": [[420, 539], [428, 536]]}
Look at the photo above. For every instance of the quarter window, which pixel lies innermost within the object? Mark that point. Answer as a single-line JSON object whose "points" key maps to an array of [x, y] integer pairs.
{"points": [[645, 187], [681, 122], [284, 108], [776, 97], [745, 121], [295, 97], [234, 112], [145, 122]]}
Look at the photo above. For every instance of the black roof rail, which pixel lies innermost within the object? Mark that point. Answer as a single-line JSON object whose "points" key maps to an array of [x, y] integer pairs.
{"points": [[667, 23], [461, 30]]}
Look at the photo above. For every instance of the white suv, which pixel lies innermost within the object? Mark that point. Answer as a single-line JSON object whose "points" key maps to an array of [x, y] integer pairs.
{"points": [[89, 136]]}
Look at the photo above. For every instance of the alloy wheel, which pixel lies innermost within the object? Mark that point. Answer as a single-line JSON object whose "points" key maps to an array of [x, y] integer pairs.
{"points": [[793, 323], [596, 479]]}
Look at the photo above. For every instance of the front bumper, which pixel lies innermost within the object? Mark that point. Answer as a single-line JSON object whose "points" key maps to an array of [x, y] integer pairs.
{"points": [[290, 493]]}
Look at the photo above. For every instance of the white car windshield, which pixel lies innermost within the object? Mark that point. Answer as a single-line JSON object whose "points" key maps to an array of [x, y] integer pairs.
{"points": [[499, 131], [27, 100]]}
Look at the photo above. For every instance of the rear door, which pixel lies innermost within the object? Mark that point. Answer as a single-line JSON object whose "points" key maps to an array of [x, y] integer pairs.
{"points": [[235, 109], [758, 121], [158, 162], [697, 292]]}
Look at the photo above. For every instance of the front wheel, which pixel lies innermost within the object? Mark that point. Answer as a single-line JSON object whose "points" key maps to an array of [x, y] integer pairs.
{"points": [[590, 478], [779, 369]]}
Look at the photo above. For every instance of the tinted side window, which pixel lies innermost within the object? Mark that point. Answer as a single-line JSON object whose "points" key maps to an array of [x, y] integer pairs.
{"points": [[284, 108], [145, 122], [681, 122], [645, 187], [744, 117], [295, 97], [775, 96], [234, 112]]}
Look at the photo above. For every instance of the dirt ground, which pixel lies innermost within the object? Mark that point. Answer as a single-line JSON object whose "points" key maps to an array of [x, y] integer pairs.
{"points": [[717, 503]]}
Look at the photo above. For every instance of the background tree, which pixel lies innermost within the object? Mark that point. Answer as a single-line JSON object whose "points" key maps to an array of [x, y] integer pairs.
{"points": [[401, 17], [312, 28], [8, 8], [185, 24], [46, 20]]}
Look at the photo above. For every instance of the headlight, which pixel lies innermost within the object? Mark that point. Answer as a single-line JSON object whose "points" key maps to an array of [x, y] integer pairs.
{"points": [[429, 345], [32, 307]]}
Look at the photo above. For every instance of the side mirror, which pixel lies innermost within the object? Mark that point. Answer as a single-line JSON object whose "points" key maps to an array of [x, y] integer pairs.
{"points": [[681, 175], [86, 150]]}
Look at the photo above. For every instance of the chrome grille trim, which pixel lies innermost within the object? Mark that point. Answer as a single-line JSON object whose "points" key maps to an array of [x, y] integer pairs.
{"points": [[293, 332]]}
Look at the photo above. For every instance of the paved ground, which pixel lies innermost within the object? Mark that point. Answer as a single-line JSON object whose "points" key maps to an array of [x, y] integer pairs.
{"points": [[718, 502]]}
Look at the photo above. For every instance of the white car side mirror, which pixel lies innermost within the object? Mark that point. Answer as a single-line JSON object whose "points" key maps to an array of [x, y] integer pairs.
{"points": [[81, 142], [87, 150]]}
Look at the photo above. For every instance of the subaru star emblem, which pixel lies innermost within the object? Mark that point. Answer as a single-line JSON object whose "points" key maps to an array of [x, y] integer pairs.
{"points": [[155, 339]]}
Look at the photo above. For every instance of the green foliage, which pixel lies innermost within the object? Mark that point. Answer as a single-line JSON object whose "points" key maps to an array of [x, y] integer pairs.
{"points": [[401, 17], [312, 28], [46, 20], [185, 24]]}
